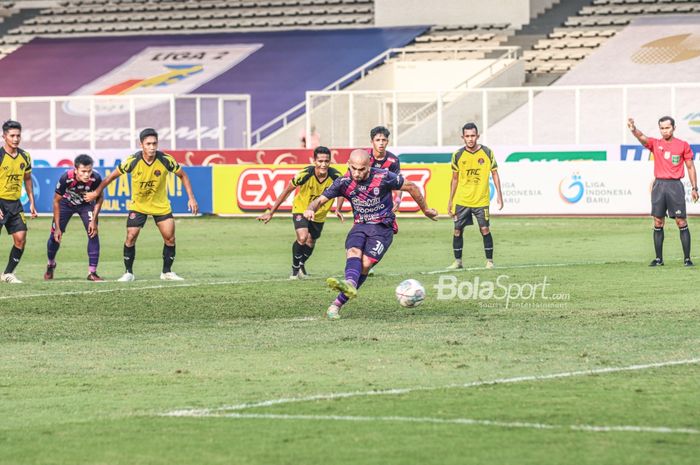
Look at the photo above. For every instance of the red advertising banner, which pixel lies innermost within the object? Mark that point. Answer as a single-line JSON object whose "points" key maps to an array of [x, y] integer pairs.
{"points": [[298, 156], [250, 189]]}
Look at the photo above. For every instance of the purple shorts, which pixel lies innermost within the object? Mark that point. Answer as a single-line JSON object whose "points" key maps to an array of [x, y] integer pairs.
{"points": [[66, 211], [373, 239]]}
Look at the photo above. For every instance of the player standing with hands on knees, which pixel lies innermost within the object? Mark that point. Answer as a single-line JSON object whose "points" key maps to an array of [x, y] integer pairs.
{"points": [[668, 193]]}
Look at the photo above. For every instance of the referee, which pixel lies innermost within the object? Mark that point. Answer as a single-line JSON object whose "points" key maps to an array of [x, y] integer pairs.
{"points": [[668, 194]]}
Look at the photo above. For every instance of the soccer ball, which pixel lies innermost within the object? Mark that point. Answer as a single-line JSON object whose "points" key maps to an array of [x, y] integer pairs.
{"points": [[410, 293]]}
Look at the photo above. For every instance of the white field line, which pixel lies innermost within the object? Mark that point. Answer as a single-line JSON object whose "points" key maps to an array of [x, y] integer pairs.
{"points": [[126, 287], [390, 392], [463, 421]]}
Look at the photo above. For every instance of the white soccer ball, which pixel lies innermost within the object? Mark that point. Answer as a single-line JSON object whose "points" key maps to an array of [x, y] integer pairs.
{"points": [[410, 293]]}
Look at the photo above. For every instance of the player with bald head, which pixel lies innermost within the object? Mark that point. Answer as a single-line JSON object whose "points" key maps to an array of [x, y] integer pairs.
{"points": [[369, 191]]}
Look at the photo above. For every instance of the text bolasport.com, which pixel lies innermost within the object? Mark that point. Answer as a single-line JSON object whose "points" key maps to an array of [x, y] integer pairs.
{"points": [[500, 293]]}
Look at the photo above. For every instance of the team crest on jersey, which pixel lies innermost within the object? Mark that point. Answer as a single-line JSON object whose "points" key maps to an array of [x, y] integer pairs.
{"points": [[376, 191], [21, 166], [156, 172], [481, 161]]}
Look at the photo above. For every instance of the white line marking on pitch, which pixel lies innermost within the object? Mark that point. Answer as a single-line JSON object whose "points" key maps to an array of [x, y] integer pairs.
{"points": [[129, 288], [463, 421], [342, 395]]}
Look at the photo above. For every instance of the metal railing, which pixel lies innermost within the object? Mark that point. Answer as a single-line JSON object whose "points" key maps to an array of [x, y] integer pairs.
{"points": [[116, 120], [360, 72], [509, 115]]}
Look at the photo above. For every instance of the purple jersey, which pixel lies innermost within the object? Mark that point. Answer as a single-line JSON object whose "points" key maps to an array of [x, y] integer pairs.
{"points": [[389, 162], [371, 199], [72, 190]]}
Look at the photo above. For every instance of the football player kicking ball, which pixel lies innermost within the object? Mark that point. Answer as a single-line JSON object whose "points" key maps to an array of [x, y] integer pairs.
{"points": [[68, 200], [369, 191], [149, 170], [311, 181]]}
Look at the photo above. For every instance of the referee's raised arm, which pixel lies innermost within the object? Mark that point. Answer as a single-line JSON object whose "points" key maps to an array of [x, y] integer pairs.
{"points": [[636, 132]]}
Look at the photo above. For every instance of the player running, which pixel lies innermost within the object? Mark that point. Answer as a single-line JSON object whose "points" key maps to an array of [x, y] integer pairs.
{"points": [[15, 168], [311, 181], [149, 170], [668, 194], [67, 201], [369, 191], [471, 167]]}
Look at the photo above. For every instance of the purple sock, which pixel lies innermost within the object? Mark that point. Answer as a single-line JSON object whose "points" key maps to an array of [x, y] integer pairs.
{"points": [[93, 250], [353, 269], [363, 278], [52, 249], [340, 300]]}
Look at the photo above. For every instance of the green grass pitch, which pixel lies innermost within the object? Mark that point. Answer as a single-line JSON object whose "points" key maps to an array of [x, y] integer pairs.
{"points": [[91, 373]]}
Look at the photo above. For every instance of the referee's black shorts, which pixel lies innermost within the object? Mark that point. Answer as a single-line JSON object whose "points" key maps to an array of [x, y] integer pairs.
{"points": [[668, 199]]}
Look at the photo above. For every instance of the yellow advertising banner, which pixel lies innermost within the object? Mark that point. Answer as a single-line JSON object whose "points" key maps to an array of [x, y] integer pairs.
{"points": [[246, 189]]}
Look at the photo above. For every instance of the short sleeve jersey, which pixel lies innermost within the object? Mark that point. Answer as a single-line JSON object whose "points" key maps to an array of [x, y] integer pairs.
{"points": [[309, 188], [389, 162], [669, 157], [149, 182], [71, 189], [474, 169], [371, 199], [12, 171]]}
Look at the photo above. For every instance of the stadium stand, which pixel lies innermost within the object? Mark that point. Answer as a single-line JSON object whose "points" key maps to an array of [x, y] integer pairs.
{"points": [[128, 17], [592, 26]]}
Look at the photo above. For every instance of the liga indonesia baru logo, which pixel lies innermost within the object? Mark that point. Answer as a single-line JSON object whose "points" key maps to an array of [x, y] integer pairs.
{"points": [[571, 188]]}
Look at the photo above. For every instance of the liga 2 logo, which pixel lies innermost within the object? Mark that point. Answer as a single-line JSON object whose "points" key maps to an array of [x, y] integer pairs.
{"points": [[258, 188]]}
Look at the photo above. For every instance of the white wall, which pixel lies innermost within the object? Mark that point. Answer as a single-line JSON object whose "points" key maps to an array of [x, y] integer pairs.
{"points": [[423, 75], [444, 12]]}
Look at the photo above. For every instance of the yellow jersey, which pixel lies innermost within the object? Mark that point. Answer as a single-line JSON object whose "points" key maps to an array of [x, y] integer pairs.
{"points": [[474, 169], [12, 171], [149, 182], [310, 188]]}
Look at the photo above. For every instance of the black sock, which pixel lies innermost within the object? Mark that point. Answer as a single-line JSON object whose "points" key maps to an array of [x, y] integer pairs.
{"points": [[168, 257], [306, 252], [15, 255], [129, 256], [488, 246], [297, 254], [685, 241], [457, 245], [659, 242]]}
